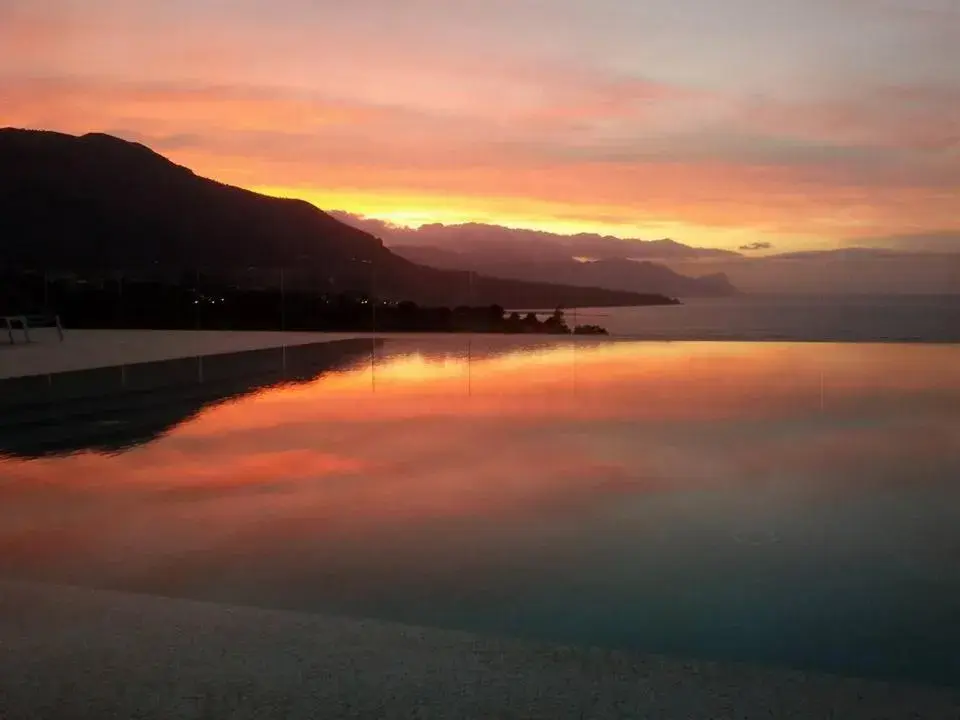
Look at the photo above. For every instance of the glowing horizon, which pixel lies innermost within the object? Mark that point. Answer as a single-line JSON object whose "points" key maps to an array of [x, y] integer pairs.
{"points": [[415, 212], [613, 118]]}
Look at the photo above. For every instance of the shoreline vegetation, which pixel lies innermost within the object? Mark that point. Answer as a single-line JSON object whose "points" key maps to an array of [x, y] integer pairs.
{"points": [[119, 304]]}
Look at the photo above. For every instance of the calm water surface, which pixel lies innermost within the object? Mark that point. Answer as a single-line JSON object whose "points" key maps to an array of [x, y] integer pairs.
{"points": [[775, 503], [834, 318]]}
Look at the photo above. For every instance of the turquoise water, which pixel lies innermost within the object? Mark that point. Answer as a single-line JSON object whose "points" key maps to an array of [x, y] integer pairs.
{"points": [[777, 503]]}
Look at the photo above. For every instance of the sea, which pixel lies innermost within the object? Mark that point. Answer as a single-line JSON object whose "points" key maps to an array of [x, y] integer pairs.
{"points": [[801, 318]]}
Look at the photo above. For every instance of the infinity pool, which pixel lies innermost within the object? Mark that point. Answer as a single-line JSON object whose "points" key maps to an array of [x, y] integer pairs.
{"points": [[788, 504]]}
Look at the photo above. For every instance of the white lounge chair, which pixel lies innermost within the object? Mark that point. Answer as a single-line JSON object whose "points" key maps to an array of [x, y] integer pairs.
{"points": [[25, 322]]}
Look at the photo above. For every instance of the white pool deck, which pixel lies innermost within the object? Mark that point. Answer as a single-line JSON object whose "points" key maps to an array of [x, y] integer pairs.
{"points": [[78, 653], [88, 349]]}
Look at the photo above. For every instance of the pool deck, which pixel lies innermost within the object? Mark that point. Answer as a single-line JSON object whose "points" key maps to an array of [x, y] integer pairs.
{"points": [[68, 652], [90, 349]]}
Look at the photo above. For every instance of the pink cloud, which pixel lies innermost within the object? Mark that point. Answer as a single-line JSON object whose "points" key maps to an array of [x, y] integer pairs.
{"points": [[920, 118], [511, 132]]}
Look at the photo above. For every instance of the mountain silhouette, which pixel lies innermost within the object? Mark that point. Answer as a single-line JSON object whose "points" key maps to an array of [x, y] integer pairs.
{"points": [[611, 273], [99, 203], [912, 263], [534, 245], [104, 410]]}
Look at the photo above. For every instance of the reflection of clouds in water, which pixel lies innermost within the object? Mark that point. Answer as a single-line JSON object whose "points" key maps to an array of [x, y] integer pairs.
{"points": [[159, 469], [808, 455], [685, 493], [334, 460], [644, 420], [756, 537], [618, 380], [401, 485]]}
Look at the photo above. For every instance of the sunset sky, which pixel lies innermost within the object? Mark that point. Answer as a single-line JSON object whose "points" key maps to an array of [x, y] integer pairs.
{"points": [[806, 123]]}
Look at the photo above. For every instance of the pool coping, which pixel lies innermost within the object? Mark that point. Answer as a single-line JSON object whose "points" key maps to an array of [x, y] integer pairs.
{"points": [[76, 652]]}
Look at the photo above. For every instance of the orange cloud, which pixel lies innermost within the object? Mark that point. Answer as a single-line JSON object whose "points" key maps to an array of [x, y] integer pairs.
{"points": [[917, 118], [164, 110], [607, 158], [579, 121]]}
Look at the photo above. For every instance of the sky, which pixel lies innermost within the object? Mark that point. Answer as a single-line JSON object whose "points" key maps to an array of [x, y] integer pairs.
{"points": [[805, 124]]}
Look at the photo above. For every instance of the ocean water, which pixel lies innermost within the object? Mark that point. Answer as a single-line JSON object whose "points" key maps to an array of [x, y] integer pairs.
{"points": [[790, 504], [842, 318]]}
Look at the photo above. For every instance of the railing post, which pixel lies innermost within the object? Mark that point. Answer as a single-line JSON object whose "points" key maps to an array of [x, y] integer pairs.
{"points": [[283, 305]]}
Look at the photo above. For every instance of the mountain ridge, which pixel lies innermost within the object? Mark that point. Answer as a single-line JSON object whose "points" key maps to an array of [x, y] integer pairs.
{"points": [[533, 244], [612, 273], [854, 265], [98, 202]]}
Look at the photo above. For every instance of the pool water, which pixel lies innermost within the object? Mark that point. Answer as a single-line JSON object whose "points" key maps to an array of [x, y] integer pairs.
{"points": [[786, 504]]}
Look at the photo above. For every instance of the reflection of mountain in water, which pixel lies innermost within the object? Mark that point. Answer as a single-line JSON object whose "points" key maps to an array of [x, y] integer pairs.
{"points": [[118, 408], [483, 347], [114, 409]]}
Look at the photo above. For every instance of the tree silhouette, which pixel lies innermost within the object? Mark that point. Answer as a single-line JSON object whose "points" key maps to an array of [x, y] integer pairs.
{"points": [[556, 323]]}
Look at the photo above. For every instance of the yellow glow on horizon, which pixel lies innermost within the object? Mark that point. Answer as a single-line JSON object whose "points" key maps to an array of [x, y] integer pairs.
{"points": [[416, 210]]}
